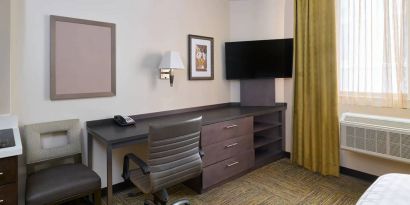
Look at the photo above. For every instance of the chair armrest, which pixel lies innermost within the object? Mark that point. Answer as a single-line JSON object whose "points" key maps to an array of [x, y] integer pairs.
{"points": [[141, 164], [201, 153]]}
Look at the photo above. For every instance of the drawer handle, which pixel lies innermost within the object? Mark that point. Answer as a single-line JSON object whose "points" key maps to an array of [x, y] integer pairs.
{"points": [[231, 126], [231, 145], [232, 164]]}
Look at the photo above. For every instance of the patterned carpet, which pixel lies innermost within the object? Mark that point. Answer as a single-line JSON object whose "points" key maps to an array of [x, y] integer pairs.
{"points": [[277, 183]]}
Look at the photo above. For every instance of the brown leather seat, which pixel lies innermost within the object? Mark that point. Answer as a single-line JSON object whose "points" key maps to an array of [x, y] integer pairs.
{"points": [[59, 183]]}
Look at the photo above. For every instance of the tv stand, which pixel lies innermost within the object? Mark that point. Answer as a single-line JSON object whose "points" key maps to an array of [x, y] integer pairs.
{"points": [[258, 92], [269, 129]]}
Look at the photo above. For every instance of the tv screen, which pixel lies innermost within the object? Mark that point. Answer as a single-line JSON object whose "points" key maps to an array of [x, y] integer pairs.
{"points": [[259, 59]]}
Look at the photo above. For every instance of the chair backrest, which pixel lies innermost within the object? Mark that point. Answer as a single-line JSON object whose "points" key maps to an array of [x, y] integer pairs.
{"points": [[173, 155], [52, 142]]}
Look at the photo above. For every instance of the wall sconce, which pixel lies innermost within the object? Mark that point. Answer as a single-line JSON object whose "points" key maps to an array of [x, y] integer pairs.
{"points": [[171, 60]]}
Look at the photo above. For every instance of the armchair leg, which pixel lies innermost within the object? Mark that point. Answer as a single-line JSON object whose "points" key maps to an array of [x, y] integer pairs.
{"points": [[97, 197]]}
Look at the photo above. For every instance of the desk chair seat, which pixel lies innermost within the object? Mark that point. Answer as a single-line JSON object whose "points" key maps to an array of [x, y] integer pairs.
{"points": [[58, 183], [173, 157]]}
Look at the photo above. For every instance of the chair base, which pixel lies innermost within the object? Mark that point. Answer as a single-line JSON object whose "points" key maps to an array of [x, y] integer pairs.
{"points": [[182, 202], [134, 194], [159, 198], [179, 202]]}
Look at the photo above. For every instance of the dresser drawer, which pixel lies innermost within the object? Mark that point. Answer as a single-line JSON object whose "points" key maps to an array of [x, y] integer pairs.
{"points": [[8, 194], [226, 149], [8, 170], [222, 131], [216, 173]]}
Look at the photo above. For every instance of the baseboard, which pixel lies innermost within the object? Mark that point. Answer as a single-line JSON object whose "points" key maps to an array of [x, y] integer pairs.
{"points": [[350, 172], [286, 154], [117, 187], [358, 174]]}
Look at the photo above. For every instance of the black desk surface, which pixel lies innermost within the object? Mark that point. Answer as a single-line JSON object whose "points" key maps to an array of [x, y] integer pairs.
{"points": [[109, 132]]}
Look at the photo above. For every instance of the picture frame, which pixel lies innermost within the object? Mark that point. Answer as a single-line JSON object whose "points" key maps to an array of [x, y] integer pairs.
{"points": [[82, 58], [200, 57]]}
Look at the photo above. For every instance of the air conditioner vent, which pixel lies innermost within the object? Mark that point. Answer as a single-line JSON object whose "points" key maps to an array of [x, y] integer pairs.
{"points": [[381, 142], [376, 135]]}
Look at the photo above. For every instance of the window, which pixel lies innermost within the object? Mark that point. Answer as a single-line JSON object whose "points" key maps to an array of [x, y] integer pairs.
{"points": [[373, 52]]}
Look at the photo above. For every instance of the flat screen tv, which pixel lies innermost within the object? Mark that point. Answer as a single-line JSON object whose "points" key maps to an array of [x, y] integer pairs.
{"points": [[259, 59]]}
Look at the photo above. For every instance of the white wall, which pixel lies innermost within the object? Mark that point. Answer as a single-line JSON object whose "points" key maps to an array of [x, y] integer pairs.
{"points": [[265, 19], [145, 29], [5, 22]]}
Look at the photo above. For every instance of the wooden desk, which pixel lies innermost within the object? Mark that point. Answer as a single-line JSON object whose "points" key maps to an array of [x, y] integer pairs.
{"points": [[114, 136]]}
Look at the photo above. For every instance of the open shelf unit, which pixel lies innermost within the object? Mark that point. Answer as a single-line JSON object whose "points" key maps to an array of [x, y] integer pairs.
{"points": [[268, 139], [265, 155], [260, 141], [261, 126]]}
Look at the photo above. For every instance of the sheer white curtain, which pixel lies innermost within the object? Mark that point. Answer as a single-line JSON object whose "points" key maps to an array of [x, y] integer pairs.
{"points": [[373, 52]]}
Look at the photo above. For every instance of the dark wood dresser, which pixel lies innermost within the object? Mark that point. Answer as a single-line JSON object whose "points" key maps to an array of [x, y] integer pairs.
{"points": [[8, 181], [234, 147]]}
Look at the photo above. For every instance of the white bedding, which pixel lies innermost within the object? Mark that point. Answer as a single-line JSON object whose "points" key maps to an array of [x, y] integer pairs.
{"points": [[391, 189]]}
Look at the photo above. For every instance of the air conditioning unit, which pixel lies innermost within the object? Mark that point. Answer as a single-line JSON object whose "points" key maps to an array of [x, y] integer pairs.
{"points": [[384, 137]]}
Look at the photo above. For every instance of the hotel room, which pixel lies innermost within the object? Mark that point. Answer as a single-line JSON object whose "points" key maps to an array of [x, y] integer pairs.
{"points": [[204, 102]]}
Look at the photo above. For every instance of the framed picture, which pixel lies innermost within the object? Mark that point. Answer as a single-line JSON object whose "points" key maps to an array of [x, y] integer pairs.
{"points": [[82, 61], [200, 57]]}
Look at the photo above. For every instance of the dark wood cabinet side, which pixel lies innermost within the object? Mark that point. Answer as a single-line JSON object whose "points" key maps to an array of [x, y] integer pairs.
{"points": [[8, 180]]}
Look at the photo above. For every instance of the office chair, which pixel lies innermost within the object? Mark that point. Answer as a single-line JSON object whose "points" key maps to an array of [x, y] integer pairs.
{"points": [[55, 172], [173, 157]]}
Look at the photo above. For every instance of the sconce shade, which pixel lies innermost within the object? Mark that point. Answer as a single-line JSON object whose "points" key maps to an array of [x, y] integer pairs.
{"points": [[171, 60]]}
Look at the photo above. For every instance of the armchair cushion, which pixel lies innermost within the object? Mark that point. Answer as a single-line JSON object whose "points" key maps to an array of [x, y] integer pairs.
{"points": [[58, 183]]}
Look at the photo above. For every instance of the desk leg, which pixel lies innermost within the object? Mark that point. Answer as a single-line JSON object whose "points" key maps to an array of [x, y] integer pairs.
{"points": [[90, 150], [109, 175]]}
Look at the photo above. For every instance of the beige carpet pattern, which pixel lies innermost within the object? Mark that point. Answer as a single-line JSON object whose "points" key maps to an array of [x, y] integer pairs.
{"points": [[277, 183]]}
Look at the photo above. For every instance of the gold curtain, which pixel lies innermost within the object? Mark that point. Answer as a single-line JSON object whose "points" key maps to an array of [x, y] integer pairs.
{"points": [[315, 120]]}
